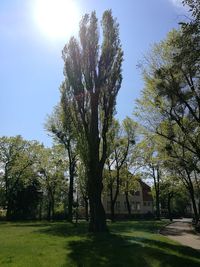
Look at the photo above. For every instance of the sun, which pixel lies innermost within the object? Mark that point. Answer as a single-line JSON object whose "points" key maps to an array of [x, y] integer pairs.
{"points": [[57, 19]]}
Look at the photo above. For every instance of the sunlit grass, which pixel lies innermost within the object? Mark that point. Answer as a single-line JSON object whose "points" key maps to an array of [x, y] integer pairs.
{"points": [[135, 243]]}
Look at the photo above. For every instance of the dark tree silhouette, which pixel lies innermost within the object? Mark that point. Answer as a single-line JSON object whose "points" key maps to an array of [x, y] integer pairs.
{"points": [[92, 81]]}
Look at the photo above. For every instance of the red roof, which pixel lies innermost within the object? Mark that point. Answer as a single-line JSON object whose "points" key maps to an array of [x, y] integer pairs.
{"points": [[146, 191]]}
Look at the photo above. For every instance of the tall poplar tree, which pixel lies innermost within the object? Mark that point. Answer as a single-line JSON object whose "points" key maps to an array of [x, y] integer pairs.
{"points": [[92, 81]]}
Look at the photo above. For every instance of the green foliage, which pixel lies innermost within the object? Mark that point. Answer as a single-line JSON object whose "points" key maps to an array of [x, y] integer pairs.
{"points": [[121, 143], [194, 6], [170, 104], [52, 165], [32, 177], [129, 181], [18, 182], [61, 127], [92, 81]]}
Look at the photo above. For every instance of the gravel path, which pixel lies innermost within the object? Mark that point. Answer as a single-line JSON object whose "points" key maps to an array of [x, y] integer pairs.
{"points": [[182, 232]]}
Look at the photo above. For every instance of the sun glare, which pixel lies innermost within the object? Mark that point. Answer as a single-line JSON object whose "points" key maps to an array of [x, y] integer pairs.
{"points": [[57, 19]]}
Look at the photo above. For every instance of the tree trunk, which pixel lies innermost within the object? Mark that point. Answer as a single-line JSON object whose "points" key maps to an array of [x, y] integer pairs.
{"points": [[157, 206], [128, 204], [114, 199], [49, 211], [86, 209], [97, 221], [8, 202], [112, 211], [112, 204], [8, 210], [156, 177], [52, 208], [72, 164], [192, 195], [70, 195], [40, 210], [169, 206], [196, 215], [95, 172]]}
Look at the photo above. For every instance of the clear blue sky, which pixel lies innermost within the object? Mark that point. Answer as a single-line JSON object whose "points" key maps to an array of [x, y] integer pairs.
{"points": [[31, 68]]}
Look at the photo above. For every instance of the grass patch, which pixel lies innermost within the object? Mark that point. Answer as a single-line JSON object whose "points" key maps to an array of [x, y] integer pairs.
{"points": [[133, 243]]}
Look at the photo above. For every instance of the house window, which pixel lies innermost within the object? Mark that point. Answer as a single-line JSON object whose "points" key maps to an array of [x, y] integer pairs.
{"points": [[149, 203], [137, 206], [145, 203]]}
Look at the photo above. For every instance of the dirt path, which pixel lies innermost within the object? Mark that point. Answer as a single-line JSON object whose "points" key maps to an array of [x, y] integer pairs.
{"points": [[182, 232]]}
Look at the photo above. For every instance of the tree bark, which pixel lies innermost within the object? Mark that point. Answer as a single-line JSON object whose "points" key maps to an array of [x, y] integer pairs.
{"points": [[112, 204], [115, 196], [112, 210], [192, 195], [70, 195], [128, 204], [157, 190], [8, 210], [97, 221], [169, 206], [196, 215], [53, 208], [40, 210], [49, 211], [157, 206], [199, 207], [86, 209], [72, 163]]}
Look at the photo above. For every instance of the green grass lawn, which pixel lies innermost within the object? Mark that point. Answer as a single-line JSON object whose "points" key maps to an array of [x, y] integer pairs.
{"points": [[134, 244]]}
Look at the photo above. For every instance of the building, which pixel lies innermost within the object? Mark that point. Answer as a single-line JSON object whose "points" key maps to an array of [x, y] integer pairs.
{"points": [[140, 200], [189, 208]]}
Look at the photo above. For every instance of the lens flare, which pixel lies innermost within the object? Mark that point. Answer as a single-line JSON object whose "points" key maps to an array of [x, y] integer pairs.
{"points": [[57, 19]]}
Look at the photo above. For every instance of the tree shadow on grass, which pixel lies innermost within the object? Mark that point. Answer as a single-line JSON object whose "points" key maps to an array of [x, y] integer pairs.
{"points": [[151, 226], [176, 232], [102, 250], [64, 229], [118, 248], [3, 222], [30, 224], [114, 250], [175, 248]]}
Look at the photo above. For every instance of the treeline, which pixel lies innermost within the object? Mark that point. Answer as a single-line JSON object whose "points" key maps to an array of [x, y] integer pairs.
{"points": [[33, 183]]}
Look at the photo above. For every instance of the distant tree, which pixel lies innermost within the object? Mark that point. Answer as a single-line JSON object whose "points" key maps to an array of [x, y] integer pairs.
{"points": [[129, 185], [168, 188], [60, 126], [183, 164], [16, 158], [26, 198], [170, 102], [51, 169], [151, 162], [92, 81], [121, 142], [171, 77]]}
